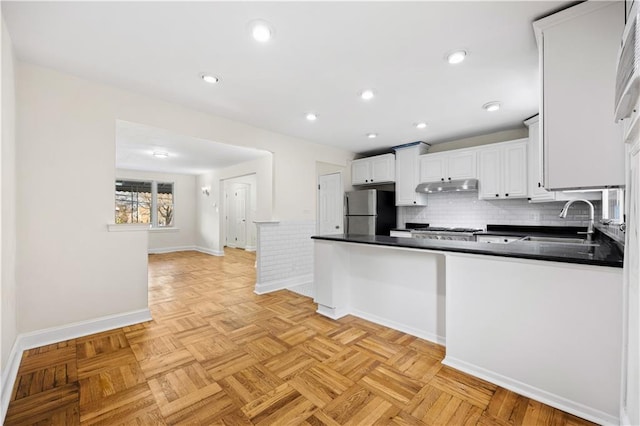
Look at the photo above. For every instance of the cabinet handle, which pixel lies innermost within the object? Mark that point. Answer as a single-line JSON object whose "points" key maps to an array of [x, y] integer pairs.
{"points": [[506, 241], [506, 195], [539, 185], [497, 195], [449, 178], [414, 202], [442, 179]]}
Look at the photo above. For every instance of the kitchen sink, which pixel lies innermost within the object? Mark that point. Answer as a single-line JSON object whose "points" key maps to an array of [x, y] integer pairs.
{"points": [[559, 240]]}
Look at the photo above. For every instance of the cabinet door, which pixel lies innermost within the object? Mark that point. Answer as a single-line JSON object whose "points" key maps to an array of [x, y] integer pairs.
{"points": [[432, 168], [407, 178], [383, 168], [515, 170], [462, 165], [490, 173], [535, 164], [360, 171], [579, 55]]}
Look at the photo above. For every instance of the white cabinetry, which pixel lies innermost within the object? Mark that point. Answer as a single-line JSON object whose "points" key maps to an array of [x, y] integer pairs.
{"points": [[503, 170], [537, 192], [446, 166], [578, 52], [373, 170], [408, 175]]}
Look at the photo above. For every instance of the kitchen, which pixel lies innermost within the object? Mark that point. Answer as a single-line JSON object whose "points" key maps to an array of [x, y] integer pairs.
{"points": [[457, 293], [490, 253]]}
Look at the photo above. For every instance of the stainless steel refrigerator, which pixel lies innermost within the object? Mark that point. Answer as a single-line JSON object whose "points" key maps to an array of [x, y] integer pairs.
{"points": [[370, 212]]}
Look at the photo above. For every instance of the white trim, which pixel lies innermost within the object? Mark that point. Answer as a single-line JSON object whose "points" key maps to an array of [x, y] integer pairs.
{"points": [[540, 395], [209, 251], [61, 333], [164, 229], [624, 417], [263, 288], [333, 313], [440, 340], [128, 227], [250, 248], [171, 249], [9, 375], [265, 222]]}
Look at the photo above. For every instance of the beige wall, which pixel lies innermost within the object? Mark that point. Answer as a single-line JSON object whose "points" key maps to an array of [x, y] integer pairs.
{"points": [[502, 136], [69, 267], [8, 201]]}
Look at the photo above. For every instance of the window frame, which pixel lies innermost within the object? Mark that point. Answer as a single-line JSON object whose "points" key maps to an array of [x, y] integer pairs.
{"points": [[153, 224]]}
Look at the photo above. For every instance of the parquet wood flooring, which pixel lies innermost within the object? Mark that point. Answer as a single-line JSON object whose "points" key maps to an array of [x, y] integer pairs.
{"points": [[218, 354]]}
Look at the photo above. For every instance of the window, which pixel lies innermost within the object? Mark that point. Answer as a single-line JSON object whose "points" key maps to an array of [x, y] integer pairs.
{"points": [[144, 202]]}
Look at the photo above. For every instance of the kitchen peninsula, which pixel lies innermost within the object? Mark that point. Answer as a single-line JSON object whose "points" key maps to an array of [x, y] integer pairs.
{"points": [[540, 319]]}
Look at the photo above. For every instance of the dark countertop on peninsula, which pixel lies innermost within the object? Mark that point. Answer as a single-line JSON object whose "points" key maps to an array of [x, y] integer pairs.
{"points": [[607, 253]]}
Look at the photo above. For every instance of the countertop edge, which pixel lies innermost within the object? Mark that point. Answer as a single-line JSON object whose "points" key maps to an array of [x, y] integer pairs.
{"points": [[485, 252]]}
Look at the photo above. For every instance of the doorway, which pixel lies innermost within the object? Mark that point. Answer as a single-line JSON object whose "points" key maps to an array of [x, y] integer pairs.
{"points": [[240, 197], [330, 204]]}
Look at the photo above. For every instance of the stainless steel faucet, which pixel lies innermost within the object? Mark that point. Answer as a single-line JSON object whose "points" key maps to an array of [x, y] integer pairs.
{"points": [[563, 214]]}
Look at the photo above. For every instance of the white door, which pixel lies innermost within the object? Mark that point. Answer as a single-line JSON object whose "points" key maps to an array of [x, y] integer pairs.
{"points": [[239, 203], [330, 204], [462, 165]]}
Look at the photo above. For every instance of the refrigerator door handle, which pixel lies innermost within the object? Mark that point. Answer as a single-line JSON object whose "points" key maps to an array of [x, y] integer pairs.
{"points": [[346, 220]]}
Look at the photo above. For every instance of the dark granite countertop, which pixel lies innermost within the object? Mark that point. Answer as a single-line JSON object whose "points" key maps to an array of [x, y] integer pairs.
{"points": [[606, 253], [538, 231]]}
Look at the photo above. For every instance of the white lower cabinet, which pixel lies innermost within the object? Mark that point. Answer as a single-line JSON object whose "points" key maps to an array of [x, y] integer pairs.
{"points": [[503, 170]]}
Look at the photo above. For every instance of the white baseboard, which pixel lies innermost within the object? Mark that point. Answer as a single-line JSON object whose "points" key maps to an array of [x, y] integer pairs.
{"points": [[209, 251], [250, 248], [270, 286], [307, 289], [164, 250], [540, 395], [333, 313], [51, 335], [9, 375], [440, 340], [624, 417]]}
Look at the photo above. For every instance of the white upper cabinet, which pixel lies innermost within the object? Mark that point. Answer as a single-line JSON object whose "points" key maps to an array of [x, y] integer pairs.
{"points": [[503, 170], [446, 166], [374, 170], [408, 175], [536, 189], [578, 54]]}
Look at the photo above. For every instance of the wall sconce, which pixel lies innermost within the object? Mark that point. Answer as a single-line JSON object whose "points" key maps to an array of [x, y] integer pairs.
{"points": [[206, 190]]}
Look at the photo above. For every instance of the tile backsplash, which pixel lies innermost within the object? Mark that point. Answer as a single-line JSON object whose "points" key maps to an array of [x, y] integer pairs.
{"points": [[464, 209]]}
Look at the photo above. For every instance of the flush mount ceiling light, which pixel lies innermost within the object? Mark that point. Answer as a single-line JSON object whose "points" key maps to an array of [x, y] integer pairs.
{"points": [[372, 135], [367, 94], [491, 106], [421, 125], [261, 31], [456, 56], [311, 116], [212, 79], [160, 154]]}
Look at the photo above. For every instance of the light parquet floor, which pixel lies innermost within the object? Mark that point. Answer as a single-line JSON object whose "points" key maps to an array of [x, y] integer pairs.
{"points": [[216, 353]]}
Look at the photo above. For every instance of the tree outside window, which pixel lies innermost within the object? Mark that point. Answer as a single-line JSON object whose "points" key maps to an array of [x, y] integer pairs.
{"points": [[144, 202]]}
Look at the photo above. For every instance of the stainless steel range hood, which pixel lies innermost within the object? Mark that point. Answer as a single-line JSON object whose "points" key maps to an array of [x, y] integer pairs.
{"points": [[460, 185]]}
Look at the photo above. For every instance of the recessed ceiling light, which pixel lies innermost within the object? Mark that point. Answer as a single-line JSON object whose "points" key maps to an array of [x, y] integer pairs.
{"points": [[160, 154], [367, 94], [312, 117], [421, 125], [491, 106], [261, 31], [210, 78], [372, 135], [456, 57]]}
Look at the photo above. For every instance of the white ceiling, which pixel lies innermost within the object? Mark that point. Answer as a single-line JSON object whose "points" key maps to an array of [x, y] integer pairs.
{"points": [[323, 54], [136, 143]]}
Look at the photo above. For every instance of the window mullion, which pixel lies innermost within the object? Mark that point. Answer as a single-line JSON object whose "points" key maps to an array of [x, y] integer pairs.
{"points": [[154, 204]]}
